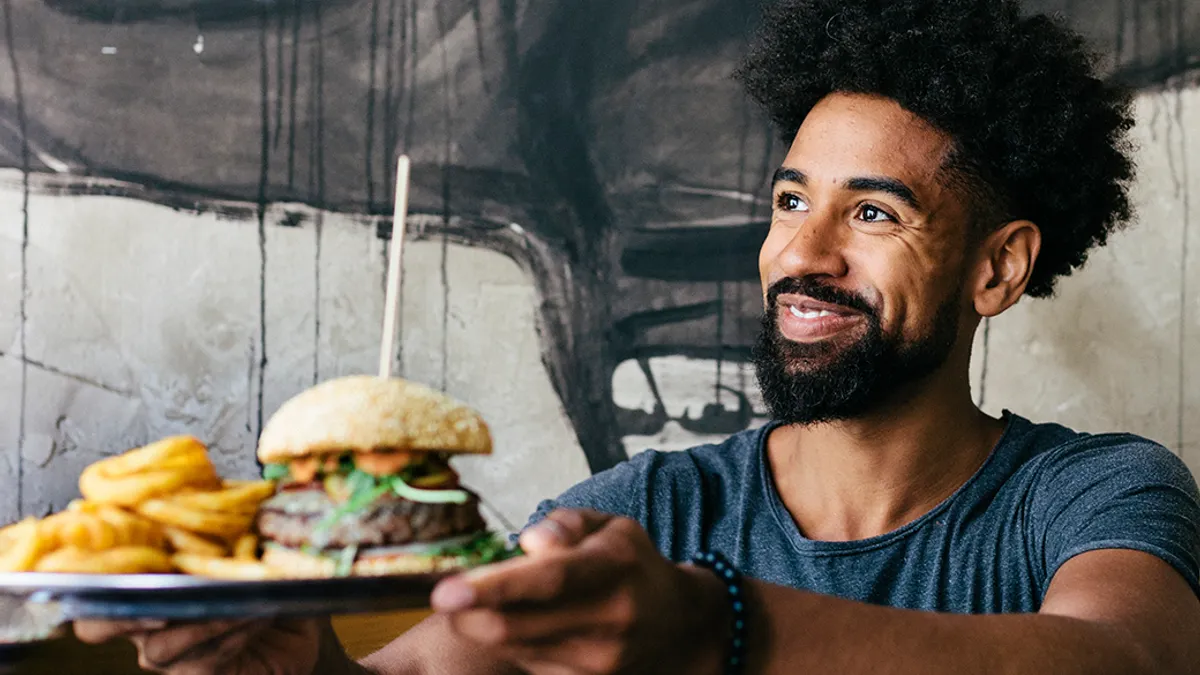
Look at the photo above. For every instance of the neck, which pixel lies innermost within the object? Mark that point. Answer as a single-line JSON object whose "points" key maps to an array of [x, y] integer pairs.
{"points": [[860, 478]]}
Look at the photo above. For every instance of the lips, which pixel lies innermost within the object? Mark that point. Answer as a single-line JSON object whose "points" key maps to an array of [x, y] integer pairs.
{"points": [[803, 319]]}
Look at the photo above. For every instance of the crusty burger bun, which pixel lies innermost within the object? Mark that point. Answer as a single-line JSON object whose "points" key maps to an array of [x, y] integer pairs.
{"points": [[364, 481], [363, 413]]}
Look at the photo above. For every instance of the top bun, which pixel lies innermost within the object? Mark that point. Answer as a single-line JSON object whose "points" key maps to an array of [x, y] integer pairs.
{"points": [[363, 413]]}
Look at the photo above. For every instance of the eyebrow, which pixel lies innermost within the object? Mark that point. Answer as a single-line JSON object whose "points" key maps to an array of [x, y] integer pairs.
{"points": [[883, 184]]}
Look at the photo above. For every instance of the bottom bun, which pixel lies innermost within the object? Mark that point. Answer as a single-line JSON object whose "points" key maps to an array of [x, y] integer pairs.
{"points": [[290, 563]]}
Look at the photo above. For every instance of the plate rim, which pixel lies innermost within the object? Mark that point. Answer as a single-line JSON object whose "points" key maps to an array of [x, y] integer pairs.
{"points": [[56, 583]]}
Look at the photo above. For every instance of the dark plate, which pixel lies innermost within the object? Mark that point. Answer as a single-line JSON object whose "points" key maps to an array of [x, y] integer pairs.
{"points": [[181, 597]]}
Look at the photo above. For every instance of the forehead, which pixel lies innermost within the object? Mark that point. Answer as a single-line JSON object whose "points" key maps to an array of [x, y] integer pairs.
{"points": [[851, 135]]}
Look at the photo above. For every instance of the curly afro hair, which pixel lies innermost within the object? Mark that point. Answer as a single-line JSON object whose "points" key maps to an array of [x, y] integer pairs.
{"points": [[1037, 134]]}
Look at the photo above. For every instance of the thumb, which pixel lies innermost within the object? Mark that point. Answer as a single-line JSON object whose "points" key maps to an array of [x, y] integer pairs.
{"points": [[562, 528]]}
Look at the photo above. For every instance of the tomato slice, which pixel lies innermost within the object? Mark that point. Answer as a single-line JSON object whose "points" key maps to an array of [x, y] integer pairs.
{"points": [[382, 463], [304, 470]]}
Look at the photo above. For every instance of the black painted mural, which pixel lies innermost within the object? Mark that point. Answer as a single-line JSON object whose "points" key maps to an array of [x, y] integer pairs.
{"points": [[608, 130]]}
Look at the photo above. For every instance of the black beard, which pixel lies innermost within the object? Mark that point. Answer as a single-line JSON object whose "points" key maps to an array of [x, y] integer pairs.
{"points": [[829, 380]]}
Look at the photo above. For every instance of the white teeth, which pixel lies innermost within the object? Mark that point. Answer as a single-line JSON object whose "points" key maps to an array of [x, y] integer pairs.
{"points": [[810, 314]]}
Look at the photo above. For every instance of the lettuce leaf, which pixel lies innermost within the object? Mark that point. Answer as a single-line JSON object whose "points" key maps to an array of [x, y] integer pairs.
{"points": [[364, 490], [488, 547], [276, 471], [345, 561]]}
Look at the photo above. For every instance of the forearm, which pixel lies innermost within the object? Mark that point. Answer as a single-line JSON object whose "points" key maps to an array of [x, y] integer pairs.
{"points": [[796, 631]]}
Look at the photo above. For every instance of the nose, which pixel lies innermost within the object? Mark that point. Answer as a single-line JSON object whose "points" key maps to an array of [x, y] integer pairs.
{"points": [[815, 247]]}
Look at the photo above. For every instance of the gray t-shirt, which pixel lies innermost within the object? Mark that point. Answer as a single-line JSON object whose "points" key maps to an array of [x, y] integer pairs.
{"points": [[1044, 495]]}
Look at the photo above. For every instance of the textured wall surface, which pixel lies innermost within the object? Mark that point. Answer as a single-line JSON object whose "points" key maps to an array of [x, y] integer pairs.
{"points": [[1119, 347], [187, 238], [608, 131], [142, 320]]}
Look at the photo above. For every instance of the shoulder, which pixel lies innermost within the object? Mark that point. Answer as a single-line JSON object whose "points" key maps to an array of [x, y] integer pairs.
{"points": [[1077, 492], [1061, 459]]}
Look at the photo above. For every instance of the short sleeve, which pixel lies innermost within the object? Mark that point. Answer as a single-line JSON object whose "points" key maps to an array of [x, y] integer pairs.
{"points": [[662, 491], [1116, 492], [620, 491]]}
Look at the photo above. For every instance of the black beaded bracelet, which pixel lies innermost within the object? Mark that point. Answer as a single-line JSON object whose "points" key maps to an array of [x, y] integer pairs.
{"points": [[732, 579]]}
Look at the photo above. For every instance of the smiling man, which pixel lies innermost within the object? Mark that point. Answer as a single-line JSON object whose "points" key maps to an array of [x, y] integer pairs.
{"points": [[947, 158]]}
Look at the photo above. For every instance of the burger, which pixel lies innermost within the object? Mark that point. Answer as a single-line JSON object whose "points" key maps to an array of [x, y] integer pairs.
{"points": [[364, 482]]}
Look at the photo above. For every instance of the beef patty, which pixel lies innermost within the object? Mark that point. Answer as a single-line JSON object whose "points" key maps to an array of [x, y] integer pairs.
{"points": [[291, 517]]}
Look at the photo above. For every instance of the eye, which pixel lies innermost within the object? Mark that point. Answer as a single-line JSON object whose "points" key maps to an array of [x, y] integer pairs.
{"points": [[788, 201], [873, 214]]}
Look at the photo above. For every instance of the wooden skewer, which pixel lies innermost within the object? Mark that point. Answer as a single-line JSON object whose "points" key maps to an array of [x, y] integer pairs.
{"points": [[395, 258]]}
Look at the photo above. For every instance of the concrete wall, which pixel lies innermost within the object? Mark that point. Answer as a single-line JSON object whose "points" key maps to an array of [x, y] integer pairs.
{"points": [[141, 320]]}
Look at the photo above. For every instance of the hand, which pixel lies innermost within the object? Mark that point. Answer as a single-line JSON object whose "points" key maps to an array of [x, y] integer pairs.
{"points": [[252, 647], [592, 595]]}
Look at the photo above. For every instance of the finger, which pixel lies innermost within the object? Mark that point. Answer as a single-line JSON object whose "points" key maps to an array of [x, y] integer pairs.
{"points": [[279, 646], [95, 632], [524, 580], [202, 661], [164, 648], [561, 528]]}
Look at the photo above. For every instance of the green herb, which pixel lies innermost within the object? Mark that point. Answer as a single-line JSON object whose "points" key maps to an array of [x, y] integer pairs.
{"points": [[487, 547], [359, 501], [276, 471], [364, 490], [345, 561], [413, 494], [360, 483]]}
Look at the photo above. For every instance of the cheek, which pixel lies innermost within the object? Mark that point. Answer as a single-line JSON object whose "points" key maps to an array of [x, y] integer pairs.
{"points": [[774, 244], [913, 308], [912, 280], [899, 285]]}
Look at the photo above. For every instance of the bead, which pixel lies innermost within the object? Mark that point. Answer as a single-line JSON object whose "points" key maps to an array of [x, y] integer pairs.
{"points": [[726, 571]]}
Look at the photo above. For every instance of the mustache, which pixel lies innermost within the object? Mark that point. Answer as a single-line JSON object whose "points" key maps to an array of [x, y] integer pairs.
{"points": [[819, 291]]}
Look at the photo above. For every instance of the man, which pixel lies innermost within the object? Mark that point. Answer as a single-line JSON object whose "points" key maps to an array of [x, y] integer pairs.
{"points": [[947, 157]]}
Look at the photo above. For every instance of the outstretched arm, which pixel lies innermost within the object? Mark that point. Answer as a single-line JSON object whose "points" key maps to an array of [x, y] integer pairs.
{"points": [[1108, 611], [607, 601]]}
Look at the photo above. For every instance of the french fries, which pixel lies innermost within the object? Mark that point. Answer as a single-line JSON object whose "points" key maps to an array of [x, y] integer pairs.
{"points": [[161, 468], [246, 547], [157, 509], [183, 541], [97, 527], [119, 560], [223, 568], [240, 497], [222, 524], [21, 546]]}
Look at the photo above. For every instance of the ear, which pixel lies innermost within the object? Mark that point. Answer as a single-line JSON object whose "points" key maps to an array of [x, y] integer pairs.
{"points": [[1006, 259]]}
